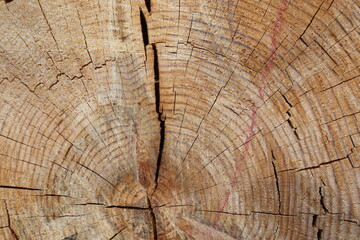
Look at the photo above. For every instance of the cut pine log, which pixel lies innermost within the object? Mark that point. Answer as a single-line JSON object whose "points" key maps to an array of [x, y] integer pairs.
{"points": [[186, 119]]}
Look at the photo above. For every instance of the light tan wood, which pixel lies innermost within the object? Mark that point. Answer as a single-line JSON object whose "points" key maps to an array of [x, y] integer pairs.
{"points": [[179, 119]]}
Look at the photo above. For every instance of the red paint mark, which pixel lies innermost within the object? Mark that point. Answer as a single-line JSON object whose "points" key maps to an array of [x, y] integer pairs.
{"points": [[249, 135], [276, 30], [268, 67]]}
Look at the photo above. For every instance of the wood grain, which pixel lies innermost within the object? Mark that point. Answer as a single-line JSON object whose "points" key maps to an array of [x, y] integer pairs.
{"points": [[149, 119]]}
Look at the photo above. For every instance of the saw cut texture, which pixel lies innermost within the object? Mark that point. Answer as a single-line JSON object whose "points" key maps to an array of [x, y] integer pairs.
{"points": [[159, 119]]}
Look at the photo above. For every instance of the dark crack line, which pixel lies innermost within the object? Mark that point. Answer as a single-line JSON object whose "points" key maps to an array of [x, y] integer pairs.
{"points": [[322, 164], [117, 233], [175, 206], [232, 110], [145, 35], [153, 219], [223, 212], [314, 220], [54, 195], [113, 206], [322, 201], [144, 29], [275, 214], [277, 186], [286, 99], [20, 188], [157, 79], [22, 143], [47, 22], [292, 126], [302, 40], [330, 5], [160, 118], [148, 5], [247, 214], [323, 49], [351, 221], [127, 207], [319, 233], [311, 20], [9, 221], [64, 216], [82, 165], [85, 40]]}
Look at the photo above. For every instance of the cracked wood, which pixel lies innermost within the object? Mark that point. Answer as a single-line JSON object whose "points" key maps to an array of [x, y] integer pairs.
{"points": [[149, 119]]}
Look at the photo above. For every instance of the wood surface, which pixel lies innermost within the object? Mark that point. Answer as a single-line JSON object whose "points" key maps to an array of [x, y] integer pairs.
{"points": [[179, 119]]}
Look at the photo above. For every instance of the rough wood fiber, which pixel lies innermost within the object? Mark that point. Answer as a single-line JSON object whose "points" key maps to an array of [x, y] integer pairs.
{"points": [[139, 119]]}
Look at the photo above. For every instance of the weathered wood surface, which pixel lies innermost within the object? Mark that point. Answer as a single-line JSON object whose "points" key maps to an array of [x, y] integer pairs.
{"points": [[187, 119]]}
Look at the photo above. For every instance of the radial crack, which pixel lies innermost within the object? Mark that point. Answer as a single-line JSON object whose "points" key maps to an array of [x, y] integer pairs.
{"points": [[319, 232], [144, 28], [127, 207], [85, 40], [160, 118], [153, 219], [277, 186], [148, 5], [322, 201], [9, 222], [20, 188], [47, 22], [314, 220], [116, 234], [292, 125], [311, 20]]}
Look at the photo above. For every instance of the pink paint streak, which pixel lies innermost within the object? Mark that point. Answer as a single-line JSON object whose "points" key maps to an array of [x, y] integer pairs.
{"points": [[268, 67]]}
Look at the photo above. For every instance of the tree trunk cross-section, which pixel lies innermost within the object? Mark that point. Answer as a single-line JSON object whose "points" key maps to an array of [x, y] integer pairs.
{"points": [[179, 119]]}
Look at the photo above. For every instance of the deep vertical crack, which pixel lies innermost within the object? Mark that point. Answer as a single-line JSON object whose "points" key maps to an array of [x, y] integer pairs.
{"points": [[319, 232], [161, 120], [157, 78], [145, 34], [314, 224], [153, 219], [314, 220], [144, 29], [148, 5]]}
